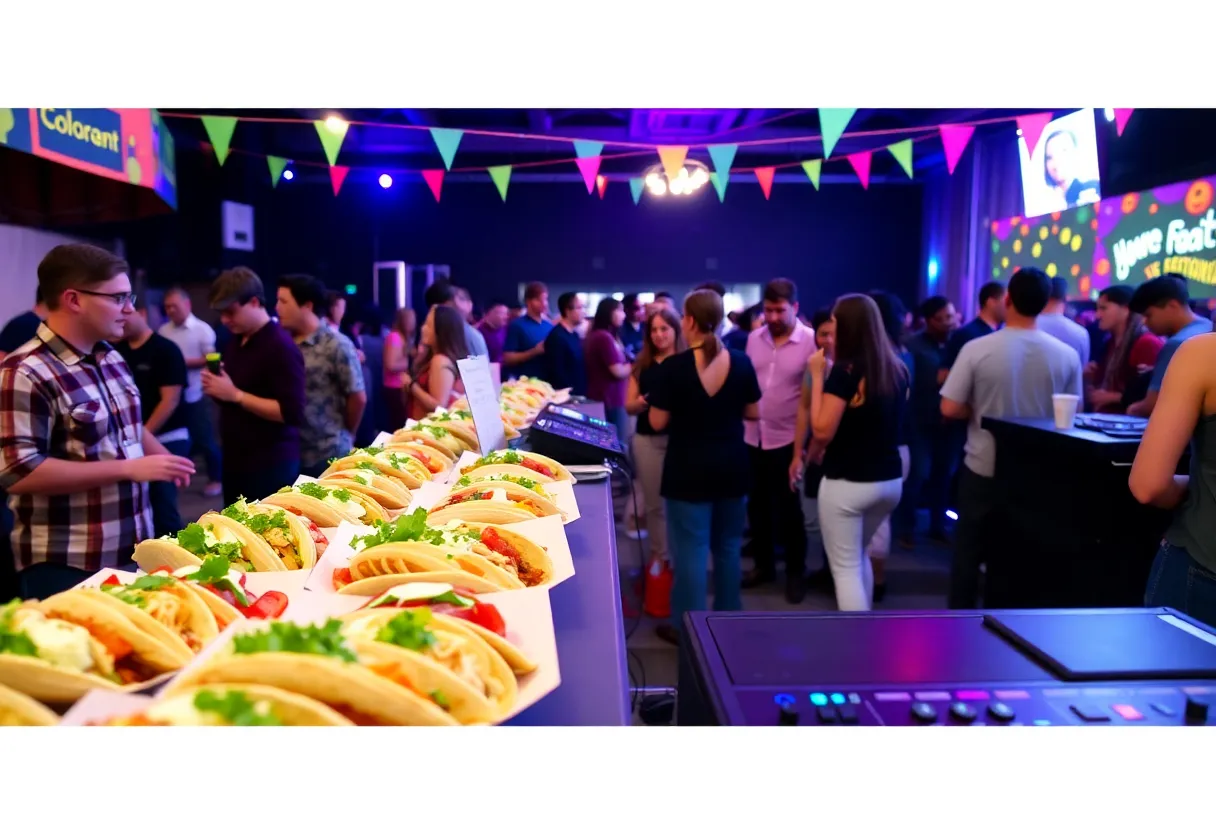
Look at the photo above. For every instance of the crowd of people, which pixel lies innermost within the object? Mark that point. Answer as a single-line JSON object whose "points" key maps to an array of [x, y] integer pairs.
{"points": [[817, 437]]}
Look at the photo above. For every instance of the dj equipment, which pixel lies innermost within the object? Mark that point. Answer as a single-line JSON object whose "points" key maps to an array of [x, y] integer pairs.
{"points": [[1117, 425], [1025, 667], [574, 438]]}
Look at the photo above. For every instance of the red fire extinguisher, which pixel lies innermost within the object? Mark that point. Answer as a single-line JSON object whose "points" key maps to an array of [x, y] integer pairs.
{"points": [[656, 600]]}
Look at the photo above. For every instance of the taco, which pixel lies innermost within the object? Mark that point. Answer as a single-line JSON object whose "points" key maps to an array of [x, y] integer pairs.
{"points": [[408, 550], [459, 670], [422, 437], [481, 475], [483, 619], [440, 434], [402, 467], [58, 655], [222, 589], [319, 662], [434, 460], [459, 422], [278, 533], [242, 706], [207, 537], [535, 466], [390, 493], [20, 711], [493, 502], [327, 506]]}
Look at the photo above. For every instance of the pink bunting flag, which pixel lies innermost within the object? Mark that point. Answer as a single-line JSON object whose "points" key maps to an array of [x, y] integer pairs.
{"points": [[954, 142], [765, 177], [1032, 127], [601, 185], [861, 164], [434, 180], [337, 175], [1121, 117], [589, 167]]}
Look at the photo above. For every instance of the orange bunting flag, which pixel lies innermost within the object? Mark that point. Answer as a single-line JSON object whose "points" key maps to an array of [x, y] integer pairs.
{"points": [[673, 160]]}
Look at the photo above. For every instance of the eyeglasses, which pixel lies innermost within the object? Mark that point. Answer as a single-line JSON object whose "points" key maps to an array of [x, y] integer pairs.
{"points": [[119, 298]]}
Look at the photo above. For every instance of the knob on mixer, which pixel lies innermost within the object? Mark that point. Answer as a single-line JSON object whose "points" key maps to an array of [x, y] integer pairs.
{"points": [[924, 713], [787, 715], [1196, 711]]}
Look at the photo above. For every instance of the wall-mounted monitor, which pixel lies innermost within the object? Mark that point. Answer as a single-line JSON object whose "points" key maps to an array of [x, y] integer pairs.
{"points": [[1062, 172]]}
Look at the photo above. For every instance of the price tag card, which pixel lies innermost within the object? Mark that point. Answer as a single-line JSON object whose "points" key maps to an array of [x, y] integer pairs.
{"points": [[483, 403]]}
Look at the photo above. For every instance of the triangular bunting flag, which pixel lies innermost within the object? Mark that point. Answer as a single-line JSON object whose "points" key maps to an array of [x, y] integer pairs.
{"points": [[861, 164], [813, 168], [719, 185], [447, 141], [601, 185], [765, 178], [585, 150], [434, 180], [337, 175], [636, 184], [502, 177], [832, 124], [954, 142], [589, 168], [277, 165], [902, 151], [1121, 117], [1032, 128], [331, 138], [673, 160], [723, 156], [219, 132]]}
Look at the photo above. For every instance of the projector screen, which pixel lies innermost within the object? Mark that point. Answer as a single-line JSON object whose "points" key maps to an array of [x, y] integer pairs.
{"points": [[1062, 172]]}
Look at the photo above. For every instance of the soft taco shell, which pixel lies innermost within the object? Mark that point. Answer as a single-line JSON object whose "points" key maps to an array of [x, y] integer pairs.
{"points": [[371, 587], [19, 710], [492, 511], [349, 688], [157, 645], [223, 612], [434, 460], [48, 683], [462, 430], [390, 493], [318, 512], [532, 554], [412, 474], [292, 709], [154, 553], [415, 435], [296, 528], [257, 550], [559, 470], [190, 620]]}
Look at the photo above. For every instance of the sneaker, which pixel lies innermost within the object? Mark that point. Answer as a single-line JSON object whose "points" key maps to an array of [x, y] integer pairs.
{"points": [[213, 489]]}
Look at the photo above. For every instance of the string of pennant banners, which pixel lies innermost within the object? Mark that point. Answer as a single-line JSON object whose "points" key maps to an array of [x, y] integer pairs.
{"points": [[589, 155]]}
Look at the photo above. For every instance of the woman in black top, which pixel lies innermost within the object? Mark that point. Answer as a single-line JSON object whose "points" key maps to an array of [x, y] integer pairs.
{"points": [[701, 398], [857, 406], [661, 339]]}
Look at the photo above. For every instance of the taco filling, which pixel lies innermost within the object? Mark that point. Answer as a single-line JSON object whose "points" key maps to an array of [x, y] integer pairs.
{"points": [[505, 555], [411, 528], [154, 595], [69, 645], [231, 708], [202, 541], [339, 499], [228, 585], [494, 495], [442, 599], [314, 531], [523, 482], [512, 458], [271, 527]]}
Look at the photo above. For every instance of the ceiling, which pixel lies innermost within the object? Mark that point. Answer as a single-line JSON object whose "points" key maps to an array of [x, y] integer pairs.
{"points": [[787, 136]]}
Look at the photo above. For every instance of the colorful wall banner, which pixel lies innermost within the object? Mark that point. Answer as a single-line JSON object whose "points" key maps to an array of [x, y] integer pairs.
{"points": [[1123, 239], [129, 145]]}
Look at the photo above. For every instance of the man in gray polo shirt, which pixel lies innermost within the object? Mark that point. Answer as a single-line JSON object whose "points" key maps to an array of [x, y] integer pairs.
{"points": [[1012, 373], [1054, 322]]}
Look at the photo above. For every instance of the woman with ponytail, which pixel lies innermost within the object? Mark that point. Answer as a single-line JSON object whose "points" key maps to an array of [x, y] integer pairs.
{"points": [[701, 398]]}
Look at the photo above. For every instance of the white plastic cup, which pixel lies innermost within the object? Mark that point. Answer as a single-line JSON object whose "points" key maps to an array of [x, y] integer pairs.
{"points": [[1065, 406]]}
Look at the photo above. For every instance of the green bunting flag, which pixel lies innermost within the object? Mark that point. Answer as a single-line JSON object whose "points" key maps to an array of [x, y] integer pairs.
{"points": [[636, 184], [832, 124], [219, 133], [502, 177], [902, 151], [719, 183], [331, 137], [277, 165], [813, 168], [447, 141]]}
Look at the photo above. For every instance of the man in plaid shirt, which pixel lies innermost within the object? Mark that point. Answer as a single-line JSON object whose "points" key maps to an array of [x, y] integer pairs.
{"points": [[74, 456]]}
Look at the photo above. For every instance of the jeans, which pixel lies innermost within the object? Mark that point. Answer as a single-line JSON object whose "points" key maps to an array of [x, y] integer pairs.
{"points": [[163, 496], [849, 515], [1177, 580], [810, 524], [202, 438], [260, 483], [649, 451], [977, 510], [774, 512], [932, 460], [695, 530]]}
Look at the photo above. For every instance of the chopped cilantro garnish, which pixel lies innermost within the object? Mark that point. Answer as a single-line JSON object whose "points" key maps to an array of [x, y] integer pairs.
{"points": [[193, 539], [435, 430], [131, 593], [438, 697], [14, 642], [411, 527], [286, 637], [312, 489], [262, 523], [367, 464], [408, 629], [234, 707], [464, 481]]}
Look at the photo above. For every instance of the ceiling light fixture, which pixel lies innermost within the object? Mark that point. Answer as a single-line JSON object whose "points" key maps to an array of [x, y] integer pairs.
{"points": [[692, 177]]}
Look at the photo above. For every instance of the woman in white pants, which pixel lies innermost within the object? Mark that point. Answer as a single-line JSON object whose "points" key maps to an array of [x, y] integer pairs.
{"points": [[857, 405]]}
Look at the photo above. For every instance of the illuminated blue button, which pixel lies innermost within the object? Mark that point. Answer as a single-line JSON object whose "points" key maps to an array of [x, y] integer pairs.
{"points": [[783, 699], [854, 699], [1042, 722], [838, 699], [819, 699]]}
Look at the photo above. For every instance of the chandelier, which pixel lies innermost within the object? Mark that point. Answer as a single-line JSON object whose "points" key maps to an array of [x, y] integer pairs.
{"points": [[692, 177]]}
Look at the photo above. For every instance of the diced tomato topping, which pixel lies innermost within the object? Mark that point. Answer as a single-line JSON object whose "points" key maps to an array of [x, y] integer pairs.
{"points": [[115, 646], [495, 543], [485, 615], [540, 468], [270, 605], [342, 577], [112, 581], [431, 466]]}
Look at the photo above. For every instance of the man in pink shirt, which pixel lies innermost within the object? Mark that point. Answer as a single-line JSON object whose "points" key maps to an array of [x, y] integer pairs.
{"points": [[779, 351]]}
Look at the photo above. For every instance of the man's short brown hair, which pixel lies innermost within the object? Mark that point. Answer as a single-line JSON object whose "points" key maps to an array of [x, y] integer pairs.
{"points": [[781, 289], [534, 290], [76, 266], [239, 285]]}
